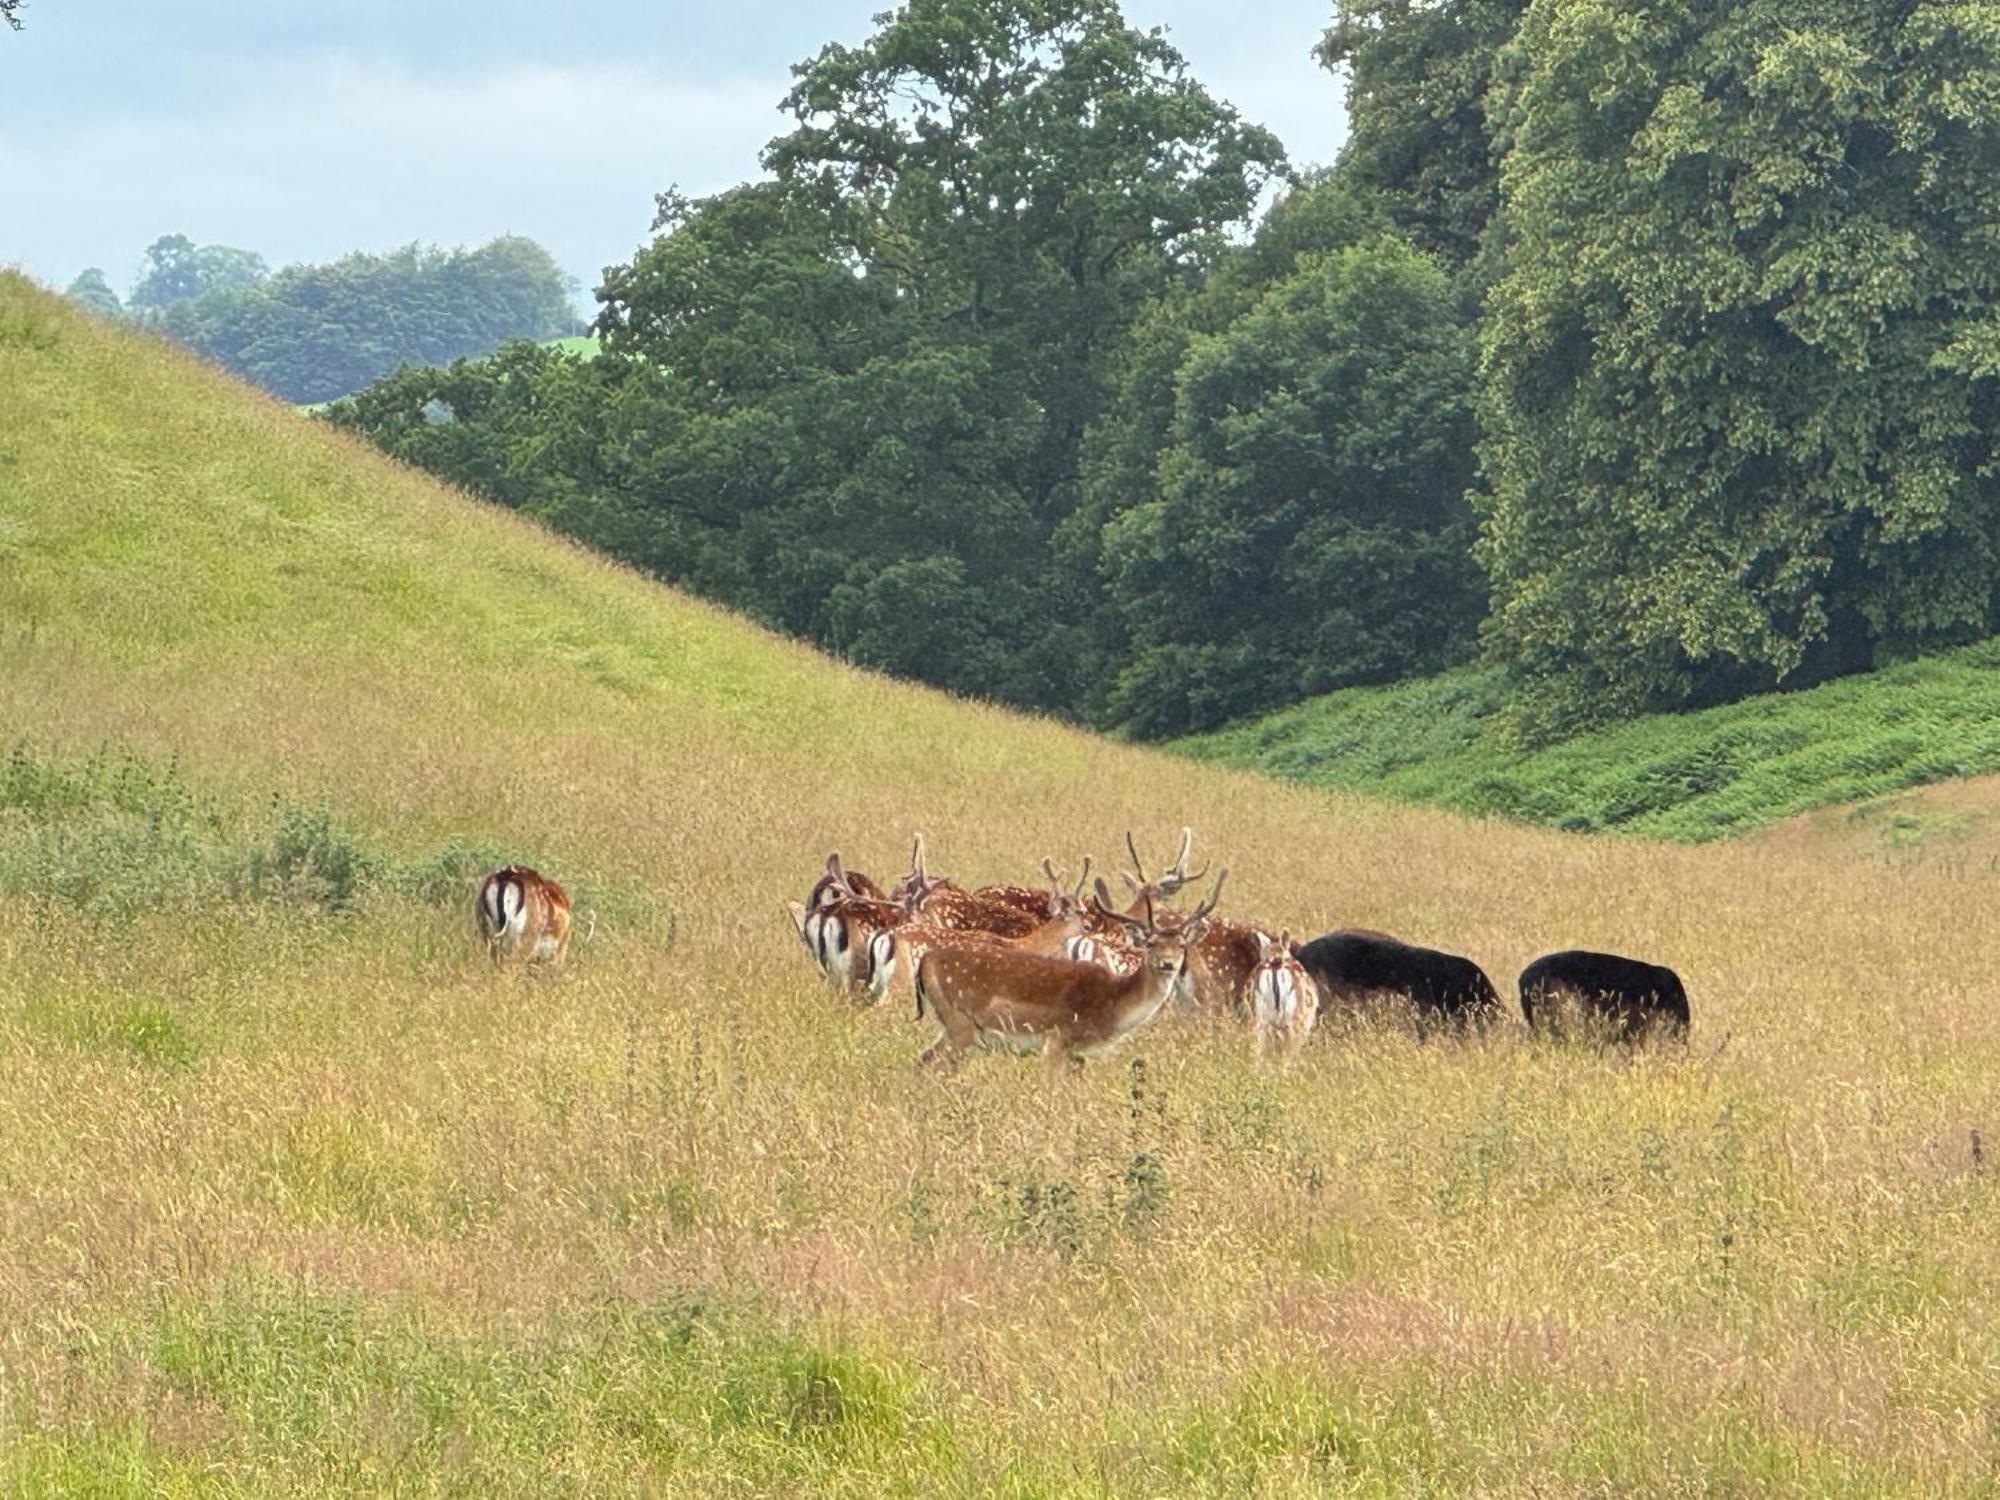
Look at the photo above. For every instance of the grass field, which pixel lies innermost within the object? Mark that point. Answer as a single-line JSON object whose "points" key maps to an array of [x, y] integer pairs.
{"points": [[1689, 777], [297, 1196]]}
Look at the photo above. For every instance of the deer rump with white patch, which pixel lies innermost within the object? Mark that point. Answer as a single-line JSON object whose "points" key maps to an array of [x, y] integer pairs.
{"points": [[839, 921], [1283, 998], [1004, 1000], [523, 916]]}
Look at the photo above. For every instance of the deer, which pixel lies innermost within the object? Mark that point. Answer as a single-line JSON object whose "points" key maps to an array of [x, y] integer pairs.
{"points": [[523, 916], [906, 943], [839, 925], [1284, 999], [1023, 1002], [1169, 882], [942, 903], [830, 890], [1221, 964]]}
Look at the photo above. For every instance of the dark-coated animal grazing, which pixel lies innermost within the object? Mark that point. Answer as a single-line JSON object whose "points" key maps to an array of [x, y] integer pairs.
{"points": [[1632, 997], [1354, 968]]}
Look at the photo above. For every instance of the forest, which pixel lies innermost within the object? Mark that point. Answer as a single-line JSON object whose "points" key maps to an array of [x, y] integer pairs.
{"points": [[310, 333], [1645, 355]]}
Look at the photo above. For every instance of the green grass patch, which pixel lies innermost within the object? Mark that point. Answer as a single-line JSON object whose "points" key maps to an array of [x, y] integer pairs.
{"points": [[1686, 777]]}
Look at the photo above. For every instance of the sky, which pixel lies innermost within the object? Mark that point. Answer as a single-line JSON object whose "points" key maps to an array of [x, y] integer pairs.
{"points": [[302, 129]]}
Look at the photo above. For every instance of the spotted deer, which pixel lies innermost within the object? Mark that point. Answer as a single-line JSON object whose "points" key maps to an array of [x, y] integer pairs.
{"points": [[1006, 1000], [523, 916], [1284, 1000]]}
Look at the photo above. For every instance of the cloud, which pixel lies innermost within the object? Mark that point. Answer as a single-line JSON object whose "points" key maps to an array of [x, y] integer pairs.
{"points": [[338, 153]]}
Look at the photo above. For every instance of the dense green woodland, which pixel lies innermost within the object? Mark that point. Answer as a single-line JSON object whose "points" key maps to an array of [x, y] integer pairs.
{"points": [[1647, 353], [313, 332]]}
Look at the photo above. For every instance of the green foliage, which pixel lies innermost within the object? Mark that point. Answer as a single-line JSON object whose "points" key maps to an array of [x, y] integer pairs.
{"points": [[1419, 78], [1302, 525], [1690, 776], [1740, 370], [118, 834], [314, 332], [177, 270], [94, 292], [851, 398]]}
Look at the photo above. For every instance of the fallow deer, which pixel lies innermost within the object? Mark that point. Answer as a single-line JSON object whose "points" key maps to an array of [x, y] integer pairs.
{"points": [[523, 916], [902, 947], [1022, 1002], [1284, 1000], [942, 903]]}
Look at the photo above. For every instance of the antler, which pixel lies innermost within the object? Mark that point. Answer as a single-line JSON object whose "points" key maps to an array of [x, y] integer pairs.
{"points": [[837, 875], [1061, 887], [1172, 878], [1202, 911], [1106, 909], [1177, 874]]}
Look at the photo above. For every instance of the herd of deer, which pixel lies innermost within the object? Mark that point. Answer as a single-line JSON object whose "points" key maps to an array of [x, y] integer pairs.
{"points": [[1065, 970]]}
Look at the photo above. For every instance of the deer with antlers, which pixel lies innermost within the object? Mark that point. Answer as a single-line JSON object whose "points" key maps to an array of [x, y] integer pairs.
{"points": [[1220, 966], [1021, 1002], [902, 948], [839, 923], [523, 916]]}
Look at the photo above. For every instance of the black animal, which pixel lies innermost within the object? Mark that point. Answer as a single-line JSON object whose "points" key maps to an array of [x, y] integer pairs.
{"points": [[1632, 997], [1355, 967]]}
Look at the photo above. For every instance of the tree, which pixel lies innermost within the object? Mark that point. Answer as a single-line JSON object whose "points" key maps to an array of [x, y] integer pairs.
{"points": [[1419, 73], [10, 12], [1309, 528], [1744, 367], [314, 332], [879, 364], [94, 292], [177, 269]]}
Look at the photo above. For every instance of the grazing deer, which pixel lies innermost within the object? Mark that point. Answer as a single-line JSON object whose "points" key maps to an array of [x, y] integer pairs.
{"points": [[1022, 1002], [1284, 1000], [944, 904], [832, 888], [523, 916], [902, 947]]}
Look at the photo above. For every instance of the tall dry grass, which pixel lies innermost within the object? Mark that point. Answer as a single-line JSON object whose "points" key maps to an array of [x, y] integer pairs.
{"points": [[306, 1201]]}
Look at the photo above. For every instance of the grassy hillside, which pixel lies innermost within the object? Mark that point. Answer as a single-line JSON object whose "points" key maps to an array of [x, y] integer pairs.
{"points": [[1689, 776], [297, 1196]]}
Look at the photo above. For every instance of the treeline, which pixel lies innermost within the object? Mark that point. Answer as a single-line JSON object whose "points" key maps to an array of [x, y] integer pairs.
{"points": [[1652, 353], [310, 333]]}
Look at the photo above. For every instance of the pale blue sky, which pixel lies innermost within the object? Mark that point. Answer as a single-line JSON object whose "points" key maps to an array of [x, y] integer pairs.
{"points": [[304, 128]]}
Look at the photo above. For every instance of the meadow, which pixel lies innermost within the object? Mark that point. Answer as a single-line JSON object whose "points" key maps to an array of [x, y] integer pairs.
{"points": [[1689, 777], [298, 1196]]}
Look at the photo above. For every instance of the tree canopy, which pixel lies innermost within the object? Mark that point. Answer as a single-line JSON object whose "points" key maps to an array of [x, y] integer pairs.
{"points": [[1740, 369], [310, 333], [1649, 350]]}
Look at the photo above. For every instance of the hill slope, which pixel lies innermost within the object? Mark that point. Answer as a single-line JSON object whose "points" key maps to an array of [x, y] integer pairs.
{"points": [[1692, 776], [297, 1195]]}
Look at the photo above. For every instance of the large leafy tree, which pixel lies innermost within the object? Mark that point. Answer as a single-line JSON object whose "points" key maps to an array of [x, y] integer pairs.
{"points": [[1292, 448], [878, 365], [94, 292], [1742, 368], [178, 269], [1419, 74], [315, 332]]}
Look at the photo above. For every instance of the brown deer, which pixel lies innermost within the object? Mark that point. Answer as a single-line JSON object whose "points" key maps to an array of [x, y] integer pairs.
{"points": [[943, 903], [1022, 1002], [523, 916], [902, 947], [1284, 1000], [838, 919]]}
